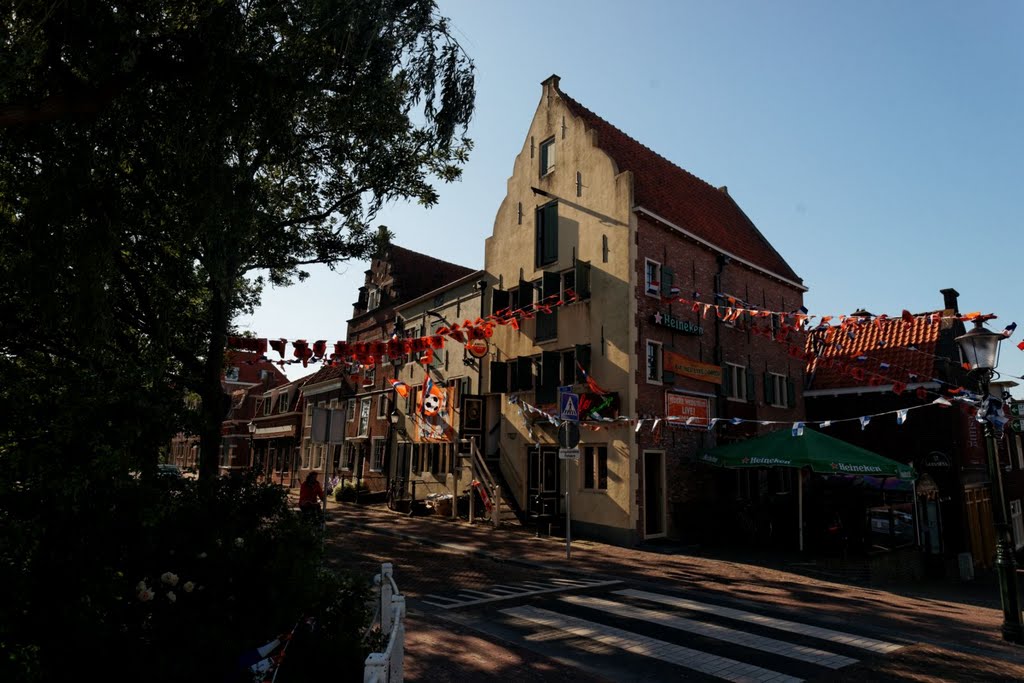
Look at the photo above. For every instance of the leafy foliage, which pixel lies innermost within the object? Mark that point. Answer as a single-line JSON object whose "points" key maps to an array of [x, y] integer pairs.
{"points": [[135, 572]]}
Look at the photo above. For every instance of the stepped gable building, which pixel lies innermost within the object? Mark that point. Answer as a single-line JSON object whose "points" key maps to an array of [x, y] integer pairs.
{"points": [[396, 275], [596, 220]]}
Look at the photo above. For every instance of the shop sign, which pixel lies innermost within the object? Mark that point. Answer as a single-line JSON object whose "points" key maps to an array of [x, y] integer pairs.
{"points": [[477, 348], [682, 410], [674, 323], [688, 367]]}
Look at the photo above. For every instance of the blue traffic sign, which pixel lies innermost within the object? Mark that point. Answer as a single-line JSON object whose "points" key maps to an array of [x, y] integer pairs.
{"points": [[569, 406]]}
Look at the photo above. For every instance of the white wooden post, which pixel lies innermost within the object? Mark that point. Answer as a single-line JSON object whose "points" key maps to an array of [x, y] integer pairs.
{"points": [[396, 659]]}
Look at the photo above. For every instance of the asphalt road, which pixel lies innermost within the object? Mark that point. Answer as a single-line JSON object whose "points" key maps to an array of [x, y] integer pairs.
{"points": [[481, 615]]}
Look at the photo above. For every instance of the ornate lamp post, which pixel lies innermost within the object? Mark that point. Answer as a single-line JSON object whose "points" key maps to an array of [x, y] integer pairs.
{"points": [[980, 349], [252, 451]]}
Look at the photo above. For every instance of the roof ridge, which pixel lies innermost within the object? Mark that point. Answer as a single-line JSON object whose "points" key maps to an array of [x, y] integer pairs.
{"points": [[637, 142], [416, 254]]}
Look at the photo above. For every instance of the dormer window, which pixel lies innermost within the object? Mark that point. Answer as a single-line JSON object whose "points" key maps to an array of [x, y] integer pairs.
{"points": [[547, 156], [372, 299]]}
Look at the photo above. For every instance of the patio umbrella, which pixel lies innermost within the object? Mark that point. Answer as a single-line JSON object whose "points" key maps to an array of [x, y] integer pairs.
{"points": [[823, 454]]}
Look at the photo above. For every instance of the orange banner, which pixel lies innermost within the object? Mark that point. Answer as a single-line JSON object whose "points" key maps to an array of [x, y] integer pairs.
{"points": [[688, 367]]}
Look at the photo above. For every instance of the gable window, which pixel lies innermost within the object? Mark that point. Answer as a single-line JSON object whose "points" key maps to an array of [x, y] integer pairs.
{"points": [[372, 299], [779, 391], [282, 403], [736, 383], [595, 468], [268, 404], [652, 278], [546, 220], [547, 156], [653, 362]]}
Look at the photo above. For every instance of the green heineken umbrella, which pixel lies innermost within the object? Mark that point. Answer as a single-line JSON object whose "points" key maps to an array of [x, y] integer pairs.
{"points": [[823, 454]]}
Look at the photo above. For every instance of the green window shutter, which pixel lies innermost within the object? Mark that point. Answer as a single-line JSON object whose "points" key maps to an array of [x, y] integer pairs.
{"points": [[547, 323], [525, 294], [549, 366], [790, 393], [667, 280], [549, 221], [750, 386], [524, 369], [499, 377], [583, 279], [769, 389], [499, 300], [583, 359]]}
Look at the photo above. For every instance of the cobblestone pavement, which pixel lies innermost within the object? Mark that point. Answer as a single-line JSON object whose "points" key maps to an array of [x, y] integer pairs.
{"points": [[946, 637]]}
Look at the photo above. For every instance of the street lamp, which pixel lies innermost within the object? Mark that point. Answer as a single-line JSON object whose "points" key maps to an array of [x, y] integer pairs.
{"points": [[980, 349], [252, 451]]}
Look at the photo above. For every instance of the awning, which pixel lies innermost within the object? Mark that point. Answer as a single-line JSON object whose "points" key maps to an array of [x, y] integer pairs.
{"points": [[274, 432], [823, 454]]}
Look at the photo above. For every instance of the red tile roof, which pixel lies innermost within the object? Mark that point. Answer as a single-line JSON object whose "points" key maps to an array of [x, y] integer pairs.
{"points": [[684, 199], [884, 342], [416, 274]]}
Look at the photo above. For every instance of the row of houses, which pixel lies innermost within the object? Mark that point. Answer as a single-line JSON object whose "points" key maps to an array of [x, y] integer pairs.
{"points": [[616, 252]]}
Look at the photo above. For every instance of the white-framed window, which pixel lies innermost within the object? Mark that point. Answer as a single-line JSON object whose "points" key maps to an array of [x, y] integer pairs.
{"points": [[282, 402], [735, 382], [372, 299], [377, 462], [231, 374], [382, 406], [364, 416], [306, 454], [652, 278], [1017, 523], [547, 156], [350, 457], [351, 409], [654, 373], [268, 404], [595, 468], [777, 390]]}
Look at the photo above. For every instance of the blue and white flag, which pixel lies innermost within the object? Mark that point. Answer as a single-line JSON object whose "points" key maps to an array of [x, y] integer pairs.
{"points": [[798, 429], [901, 416], [864, 421]]}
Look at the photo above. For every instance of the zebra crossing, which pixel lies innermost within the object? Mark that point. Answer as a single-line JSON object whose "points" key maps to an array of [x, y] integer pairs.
{"points": [[521, 589], [630, 634]]}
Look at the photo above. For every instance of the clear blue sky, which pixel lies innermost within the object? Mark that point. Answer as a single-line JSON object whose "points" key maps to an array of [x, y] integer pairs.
{"points": [[877, 145]]}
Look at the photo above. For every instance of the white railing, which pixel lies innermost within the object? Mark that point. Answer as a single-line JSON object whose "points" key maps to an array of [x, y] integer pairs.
{"points": [[387, 666]]}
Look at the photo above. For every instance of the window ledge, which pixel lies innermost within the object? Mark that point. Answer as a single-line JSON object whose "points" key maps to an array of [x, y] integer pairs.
{"points": [[655, 382], [735, 399], [653, 295]]}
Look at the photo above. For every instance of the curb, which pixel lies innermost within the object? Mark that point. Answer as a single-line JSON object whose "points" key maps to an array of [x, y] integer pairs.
{"points": [[455, 547]]}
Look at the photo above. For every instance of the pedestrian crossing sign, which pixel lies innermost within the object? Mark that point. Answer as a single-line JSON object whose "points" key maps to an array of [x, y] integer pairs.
{"points": [[569, 406]]}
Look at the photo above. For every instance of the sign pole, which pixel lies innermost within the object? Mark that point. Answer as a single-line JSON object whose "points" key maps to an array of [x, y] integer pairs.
{"points": [[568, 528]]}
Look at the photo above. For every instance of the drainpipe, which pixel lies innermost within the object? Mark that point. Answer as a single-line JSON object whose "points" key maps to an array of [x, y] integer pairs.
{"points": [[723, 260]]}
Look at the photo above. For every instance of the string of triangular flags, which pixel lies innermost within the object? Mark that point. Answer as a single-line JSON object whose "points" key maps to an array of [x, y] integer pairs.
{"points": [[365, 355], [989, 411]]}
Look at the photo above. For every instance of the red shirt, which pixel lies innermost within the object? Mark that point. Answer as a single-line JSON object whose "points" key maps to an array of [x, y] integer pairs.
{"points": [[310, 493]]}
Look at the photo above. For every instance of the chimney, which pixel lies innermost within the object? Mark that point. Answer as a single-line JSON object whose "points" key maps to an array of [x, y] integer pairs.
{"points": [[949, 299], [553, 80]]}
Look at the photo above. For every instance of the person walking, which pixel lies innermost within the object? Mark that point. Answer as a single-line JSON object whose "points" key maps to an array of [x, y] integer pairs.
{"points": [[311, 493]]}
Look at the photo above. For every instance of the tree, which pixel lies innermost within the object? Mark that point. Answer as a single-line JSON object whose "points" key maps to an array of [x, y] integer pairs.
{"points": [[165, 154]]}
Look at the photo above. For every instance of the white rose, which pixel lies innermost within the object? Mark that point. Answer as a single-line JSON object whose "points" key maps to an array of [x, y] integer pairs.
{"points": [[171, 596], [239, 542], [202, 556], [140, 586], [169, 578], [189, 586], [146, 595]]}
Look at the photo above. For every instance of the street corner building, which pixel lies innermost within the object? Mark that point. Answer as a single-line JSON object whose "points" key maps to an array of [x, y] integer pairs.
{"points": [[610, 253]]}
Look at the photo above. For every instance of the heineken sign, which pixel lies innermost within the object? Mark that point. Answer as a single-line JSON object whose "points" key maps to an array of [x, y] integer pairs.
{"points": [[673, 323]]}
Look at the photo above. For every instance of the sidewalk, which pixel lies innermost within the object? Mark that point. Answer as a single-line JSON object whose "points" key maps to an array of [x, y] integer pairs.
{"points": [[936, 614]]}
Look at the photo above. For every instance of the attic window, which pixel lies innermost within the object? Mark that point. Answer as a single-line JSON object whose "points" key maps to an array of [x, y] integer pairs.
{"points": [[547, 156], [372, 299]]}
